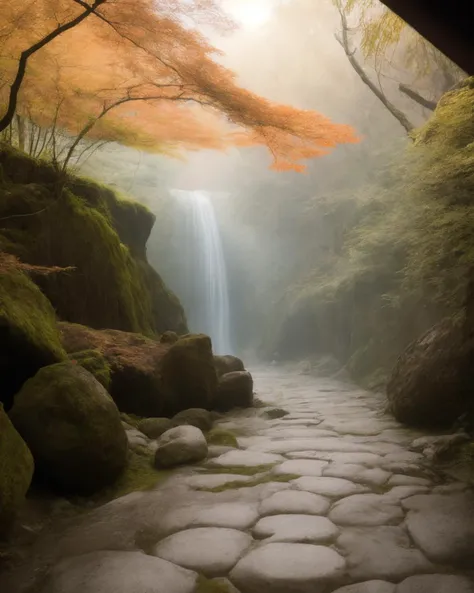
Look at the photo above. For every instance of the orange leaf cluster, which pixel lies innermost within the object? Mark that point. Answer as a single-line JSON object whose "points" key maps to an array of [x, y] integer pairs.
{"points": [[147, 56]]}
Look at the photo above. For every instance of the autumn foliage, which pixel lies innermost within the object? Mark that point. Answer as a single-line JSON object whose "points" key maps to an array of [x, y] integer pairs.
{"points": [[139, 72]]}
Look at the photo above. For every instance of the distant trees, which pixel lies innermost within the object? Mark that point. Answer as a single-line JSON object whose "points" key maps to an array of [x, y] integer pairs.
{"points": [[76, 74]]}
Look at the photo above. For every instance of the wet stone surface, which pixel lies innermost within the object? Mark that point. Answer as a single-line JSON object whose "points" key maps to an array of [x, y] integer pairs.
{"points": [[331, 498]]}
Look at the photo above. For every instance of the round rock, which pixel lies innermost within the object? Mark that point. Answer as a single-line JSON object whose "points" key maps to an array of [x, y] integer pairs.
{"points": [[280, 568], [210, 551], [295, 528], [180, 445]]}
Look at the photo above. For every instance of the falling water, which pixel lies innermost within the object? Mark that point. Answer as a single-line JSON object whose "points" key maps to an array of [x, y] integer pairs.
{"points": [[205, 293]]}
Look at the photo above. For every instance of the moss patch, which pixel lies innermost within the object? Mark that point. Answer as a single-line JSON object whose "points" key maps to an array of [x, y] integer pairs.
{"points": [[95, 363], [251, 484], [218, 436], [211, 586], [241, 470]]}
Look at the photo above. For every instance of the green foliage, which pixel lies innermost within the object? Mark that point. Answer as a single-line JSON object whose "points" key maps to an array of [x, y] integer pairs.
{"points": [[95, 363], [218, 436]]}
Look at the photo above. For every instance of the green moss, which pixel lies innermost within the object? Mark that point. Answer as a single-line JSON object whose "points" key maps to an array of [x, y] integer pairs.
{"points": [[242, 470], [131, 419], [29, 338], [95, 363], [218, 436], [211, 586], [251, 483], [16, 470]]}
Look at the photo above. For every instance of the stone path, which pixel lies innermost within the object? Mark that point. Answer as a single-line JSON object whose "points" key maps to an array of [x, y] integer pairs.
{"points": [[337, 502]]}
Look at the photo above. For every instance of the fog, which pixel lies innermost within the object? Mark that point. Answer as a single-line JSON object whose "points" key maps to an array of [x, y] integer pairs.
{"points": [[284, 235]]}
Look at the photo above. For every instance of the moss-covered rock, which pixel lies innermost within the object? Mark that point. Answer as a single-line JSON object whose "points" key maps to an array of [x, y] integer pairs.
{"points": [[235, 390], [188, 374], [94, 362], [194, 417], [227, 364], [16, 471], [72, 428], [29, 338], [169, 337], [432, 382], [221, 437], [153, 428], [100, 234], [134, 362]]}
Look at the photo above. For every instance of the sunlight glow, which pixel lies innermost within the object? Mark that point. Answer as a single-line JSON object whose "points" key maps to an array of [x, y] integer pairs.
{"points": [[250, 13]]}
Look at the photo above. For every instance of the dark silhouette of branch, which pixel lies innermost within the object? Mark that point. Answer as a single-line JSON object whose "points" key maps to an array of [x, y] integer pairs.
{"points": [[6, 120], [416, 97], [344, 41]]}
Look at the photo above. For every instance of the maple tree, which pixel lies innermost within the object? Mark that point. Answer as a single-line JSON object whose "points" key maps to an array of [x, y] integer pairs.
{"points": [[139, 72]]}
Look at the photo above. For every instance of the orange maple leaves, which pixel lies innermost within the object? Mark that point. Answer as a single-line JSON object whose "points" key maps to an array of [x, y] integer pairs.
{"points": [[159, 74]]}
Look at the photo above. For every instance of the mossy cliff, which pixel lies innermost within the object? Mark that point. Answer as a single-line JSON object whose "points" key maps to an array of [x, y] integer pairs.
{"points": [[76, 223], [404, 263]]}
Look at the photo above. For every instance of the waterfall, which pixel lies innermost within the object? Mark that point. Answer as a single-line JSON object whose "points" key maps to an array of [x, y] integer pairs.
{"points": [[203, 285]]}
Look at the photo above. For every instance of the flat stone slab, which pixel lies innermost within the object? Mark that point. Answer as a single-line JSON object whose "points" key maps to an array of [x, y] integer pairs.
{"points": [[331, 487], [296, 528], [383, 553], [245, 458], [282, 567], [322, 444], [293, 501], [399, 480], [234, 515], [208, 550], [357, 473], [300, 467], [118, 572], [402, 492], [367, 459], [366, 510], [443, 527], [436, 583], [214, 480], [369, 587]]}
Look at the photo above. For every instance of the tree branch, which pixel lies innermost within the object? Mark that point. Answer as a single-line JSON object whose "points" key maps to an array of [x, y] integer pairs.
{"points": [[403, 88], [344, 41], [6, 120]]}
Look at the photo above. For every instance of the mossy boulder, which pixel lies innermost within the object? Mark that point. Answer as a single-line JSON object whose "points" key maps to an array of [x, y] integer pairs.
{"points": [[169, 337], [194, 417], [72, 427], [227, 364], [16, 471], [235, 390], [432, 383], [94, 362], [29, 338], [134, 362], [188, 374], [153, 428]]}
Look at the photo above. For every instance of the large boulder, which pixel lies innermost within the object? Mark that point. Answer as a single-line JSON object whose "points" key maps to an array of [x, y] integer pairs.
{"points": [[180, 445], [227, 364], [16, 470], [29, 338], [235, 390], [194, 417], [188, 374], [432, 382], [72, 427], [134, 361]]}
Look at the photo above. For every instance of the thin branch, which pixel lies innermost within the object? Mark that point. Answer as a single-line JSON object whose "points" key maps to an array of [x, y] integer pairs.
{"points": [[25, 55], [403, 88], [344, 41]]}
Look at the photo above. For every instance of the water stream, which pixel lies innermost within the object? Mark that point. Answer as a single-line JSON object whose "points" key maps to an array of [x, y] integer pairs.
{"points": [[206, 298]]}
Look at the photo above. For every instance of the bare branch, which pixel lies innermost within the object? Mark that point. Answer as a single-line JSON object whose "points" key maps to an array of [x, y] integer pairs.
{"points": [[416, 97]]}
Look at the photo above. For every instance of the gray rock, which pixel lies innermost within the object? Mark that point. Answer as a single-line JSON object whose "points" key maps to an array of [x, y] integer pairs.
{"points": [[436, 583], [443, 527], [245, 458], [209, 550], [366, 510], [197, 417], [292, 501], [234, 515], [275, 413], [180, 445], [295, 528], [381, 553], [234, 390], [399, 480], [118, 572], [281, 568], [300, 467]]}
